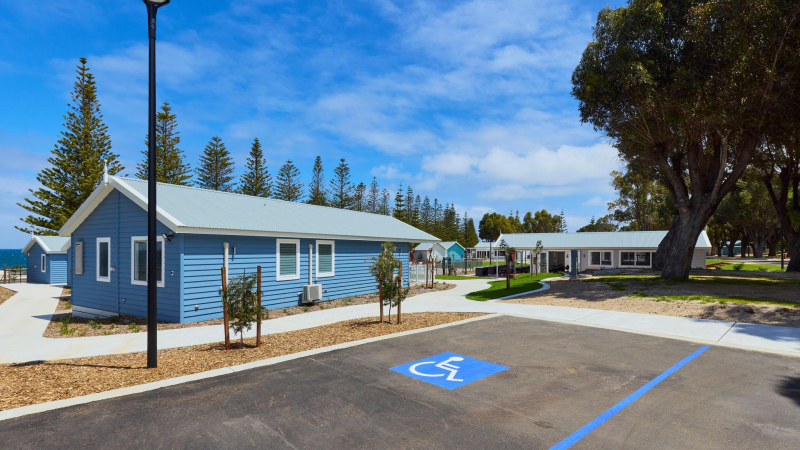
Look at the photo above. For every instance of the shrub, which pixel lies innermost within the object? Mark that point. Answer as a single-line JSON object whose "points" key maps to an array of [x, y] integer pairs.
{"points": [[95, 325], [739, 266], [68, 305], [133, 326], [390, 284], [113, 319], [65, 329], [244, 304]]}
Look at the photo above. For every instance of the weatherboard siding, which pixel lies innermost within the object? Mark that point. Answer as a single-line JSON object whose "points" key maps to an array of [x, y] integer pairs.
{"points": [[118, 218], [203, 258], [35, 274]]}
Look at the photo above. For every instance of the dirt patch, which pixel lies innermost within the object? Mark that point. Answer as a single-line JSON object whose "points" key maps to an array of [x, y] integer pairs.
{"points": [[28, 384], [124, 324], [5, 294], [617, 297]]}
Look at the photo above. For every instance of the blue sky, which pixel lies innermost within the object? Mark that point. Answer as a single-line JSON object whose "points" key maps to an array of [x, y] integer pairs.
{"points": [[467, 101]]}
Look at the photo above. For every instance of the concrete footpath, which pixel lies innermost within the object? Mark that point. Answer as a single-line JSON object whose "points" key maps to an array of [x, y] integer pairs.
{"points": [[24, 317]]}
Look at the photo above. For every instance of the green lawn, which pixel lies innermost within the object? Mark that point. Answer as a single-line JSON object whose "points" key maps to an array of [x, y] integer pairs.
{"points": [[754, 279], [522, 283], [731, 263]]}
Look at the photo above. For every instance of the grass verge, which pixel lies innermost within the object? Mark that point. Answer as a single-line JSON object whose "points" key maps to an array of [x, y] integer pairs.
{"points": [[522, 283], [28, 384], [713, 299]]}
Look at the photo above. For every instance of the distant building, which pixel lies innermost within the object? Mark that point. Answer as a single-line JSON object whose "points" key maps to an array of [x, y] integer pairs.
{"points": [[440, 250], [48, 259], [599, 250]]}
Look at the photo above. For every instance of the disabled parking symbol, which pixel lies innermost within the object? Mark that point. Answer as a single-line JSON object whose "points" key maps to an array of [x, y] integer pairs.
{"points": [[449, 370]]}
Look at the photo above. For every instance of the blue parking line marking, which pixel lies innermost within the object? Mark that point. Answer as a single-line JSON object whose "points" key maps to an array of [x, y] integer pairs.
{"points": [[602, 418]]}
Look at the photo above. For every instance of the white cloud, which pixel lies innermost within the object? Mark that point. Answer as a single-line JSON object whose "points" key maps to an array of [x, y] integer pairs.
{"points": [[594, 201], [389, 172], [449, 163]]}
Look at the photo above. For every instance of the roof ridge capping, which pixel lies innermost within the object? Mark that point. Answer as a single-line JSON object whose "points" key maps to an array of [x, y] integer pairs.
{"points": [[237, 194]]}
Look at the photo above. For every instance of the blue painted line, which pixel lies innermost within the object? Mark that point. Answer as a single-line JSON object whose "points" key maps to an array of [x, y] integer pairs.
{"points": [[601, 419]]}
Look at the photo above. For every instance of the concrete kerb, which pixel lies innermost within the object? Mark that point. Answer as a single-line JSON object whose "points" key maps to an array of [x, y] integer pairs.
{"points": [[544, 287], [58, 404]]}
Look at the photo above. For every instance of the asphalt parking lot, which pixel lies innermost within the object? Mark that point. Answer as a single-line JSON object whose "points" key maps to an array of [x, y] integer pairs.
{"points": [[549, 385]]}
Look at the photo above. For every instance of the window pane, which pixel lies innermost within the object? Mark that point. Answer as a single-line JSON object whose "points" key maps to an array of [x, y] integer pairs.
{"points": [[607, 258], [643, 259], [102, 255], [140, 260], [159, 251], [288, 262], [627, 258], [596, 258], [325, 255]]}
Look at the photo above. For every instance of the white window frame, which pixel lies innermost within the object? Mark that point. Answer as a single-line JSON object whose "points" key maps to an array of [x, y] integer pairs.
{"points": [[44, 263], [635, 253], [97, 259], [333, 260], [160, 239], [296, 275], [602, 264]]}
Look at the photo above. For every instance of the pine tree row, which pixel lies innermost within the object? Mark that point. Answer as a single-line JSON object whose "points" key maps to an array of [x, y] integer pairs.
{"points": [[85, 146]]}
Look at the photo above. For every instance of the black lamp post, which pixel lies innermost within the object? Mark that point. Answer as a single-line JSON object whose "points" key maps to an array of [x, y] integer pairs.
{"points": [[152, 233]]}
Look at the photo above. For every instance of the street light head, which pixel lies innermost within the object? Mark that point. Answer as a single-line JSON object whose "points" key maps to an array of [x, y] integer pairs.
{"points": [[156, 3]]}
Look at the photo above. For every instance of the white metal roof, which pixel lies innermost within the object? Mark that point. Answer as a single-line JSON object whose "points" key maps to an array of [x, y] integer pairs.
{"points": [[595, 240], [50, 244], [483, 245], [193, 210]]}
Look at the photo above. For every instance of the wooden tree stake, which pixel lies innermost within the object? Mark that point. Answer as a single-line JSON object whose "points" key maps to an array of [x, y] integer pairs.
{"points": [[258, 316], [380, 297], [401, 287], [225, 308]]}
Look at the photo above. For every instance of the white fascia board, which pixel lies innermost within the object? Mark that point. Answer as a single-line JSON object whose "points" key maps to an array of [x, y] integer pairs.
{"points": [[47, 250], [99, 194], [30, 244], [163, 217], [85, 209], [227, 232]]}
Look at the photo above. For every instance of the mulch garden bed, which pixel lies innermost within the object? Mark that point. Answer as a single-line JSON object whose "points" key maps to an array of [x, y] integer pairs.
{"points": [[123, 324], [5, 294], [31, 383]]}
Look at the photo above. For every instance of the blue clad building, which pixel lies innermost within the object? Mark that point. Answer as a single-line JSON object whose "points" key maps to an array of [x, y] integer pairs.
{"points": [[297, 245], [48, 259]]}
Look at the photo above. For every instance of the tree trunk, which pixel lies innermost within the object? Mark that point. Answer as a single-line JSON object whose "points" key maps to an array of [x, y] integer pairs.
{"points": [[677, 248], [732, 243], [794, 253], [759, 242]]}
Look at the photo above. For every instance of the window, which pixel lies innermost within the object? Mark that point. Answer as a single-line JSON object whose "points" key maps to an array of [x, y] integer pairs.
{"points": [[288, 259], [600, 258], [44, 263], [139, 260], [641, 259], [325, 258], [627, 258], [104, 259]]}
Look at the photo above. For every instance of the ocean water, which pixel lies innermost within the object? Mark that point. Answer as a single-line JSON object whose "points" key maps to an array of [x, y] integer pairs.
{"points": [[12, 257]]}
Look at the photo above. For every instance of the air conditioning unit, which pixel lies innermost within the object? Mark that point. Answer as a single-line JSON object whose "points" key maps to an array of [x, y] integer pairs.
{"points": [[312, 293]]}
